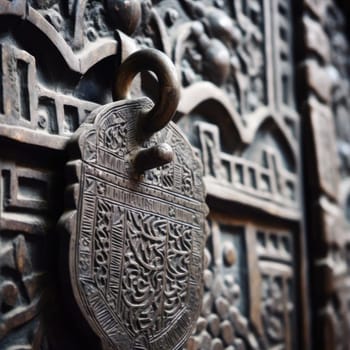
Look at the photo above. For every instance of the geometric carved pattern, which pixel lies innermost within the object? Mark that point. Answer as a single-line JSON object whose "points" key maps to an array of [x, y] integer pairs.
{"points": [[26, 191], [236, 281], [42, 102], [278, 288], [27, 214], [241, 117], [31, 105], [19, 291], [268, 181]]}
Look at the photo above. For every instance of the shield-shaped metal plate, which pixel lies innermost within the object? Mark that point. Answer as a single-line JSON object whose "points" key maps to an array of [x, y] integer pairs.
{"points": [[136, 242]]}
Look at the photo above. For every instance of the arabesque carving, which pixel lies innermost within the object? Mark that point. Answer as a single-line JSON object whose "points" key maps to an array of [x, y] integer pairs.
{"points": [[137, 242]]}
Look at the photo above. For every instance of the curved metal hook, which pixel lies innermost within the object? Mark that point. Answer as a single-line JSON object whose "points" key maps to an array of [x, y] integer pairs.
{"points": [[169, 88]]}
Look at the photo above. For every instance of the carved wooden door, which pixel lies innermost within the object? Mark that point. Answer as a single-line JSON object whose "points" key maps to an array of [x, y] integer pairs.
{"points": [[265, 105]]}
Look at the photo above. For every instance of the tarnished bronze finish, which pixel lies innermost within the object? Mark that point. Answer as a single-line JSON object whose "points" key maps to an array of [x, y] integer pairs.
{"points": [[137, 226], [169, 89], [162, 112], [153, 157]]}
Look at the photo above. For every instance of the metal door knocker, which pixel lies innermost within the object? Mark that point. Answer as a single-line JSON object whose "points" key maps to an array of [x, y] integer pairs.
{"points": [[136, 218]]}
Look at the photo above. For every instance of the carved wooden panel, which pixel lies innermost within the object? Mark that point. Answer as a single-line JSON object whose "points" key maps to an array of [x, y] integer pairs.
{"points": [[238, 108], [327, 138]]}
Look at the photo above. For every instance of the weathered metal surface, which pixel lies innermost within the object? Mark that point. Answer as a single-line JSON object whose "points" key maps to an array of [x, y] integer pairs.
{"points": [[138, 233], [136, 249]]}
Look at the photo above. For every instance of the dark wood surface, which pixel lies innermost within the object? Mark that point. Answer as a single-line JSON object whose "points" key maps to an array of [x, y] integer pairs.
{"points": [[265, 105]]}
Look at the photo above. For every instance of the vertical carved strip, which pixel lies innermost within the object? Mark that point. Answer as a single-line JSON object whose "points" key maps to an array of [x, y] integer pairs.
{"points": [[78, 40], [71, 118], [326, 74], [255, 281], [1, 82], [22, 71]]}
